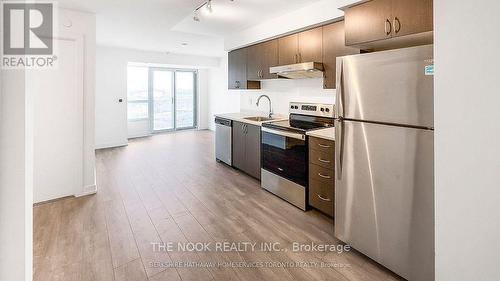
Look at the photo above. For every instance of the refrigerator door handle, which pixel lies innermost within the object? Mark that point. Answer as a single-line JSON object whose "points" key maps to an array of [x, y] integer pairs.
{"points": [[339, 153], [340, 88]]}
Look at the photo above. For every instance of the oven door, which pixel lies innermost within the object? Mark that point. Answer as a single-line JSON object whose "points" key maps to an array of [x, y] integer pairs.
{"points": [[285, 154]]}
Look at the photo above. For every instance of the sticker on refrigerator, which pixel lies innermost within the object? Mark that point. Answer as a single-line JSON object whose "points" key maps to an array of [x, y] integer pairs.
{"points": [[429, 69]]}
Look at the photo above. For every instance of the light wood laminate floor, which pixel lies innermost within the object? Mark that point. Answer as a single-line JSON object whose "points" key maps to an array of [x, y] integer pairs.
{"points": [[169, 188]]}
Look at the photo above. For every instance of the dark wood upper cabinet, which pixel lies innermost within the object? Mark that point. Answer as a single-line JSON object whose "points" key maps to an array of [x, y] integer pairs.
{"points": [[260, 58], [370, 21], [333, 47], [376, 20], [269, 58], [253, 63], [311, 45], [288, 47], [237, 71], [412, 16]]}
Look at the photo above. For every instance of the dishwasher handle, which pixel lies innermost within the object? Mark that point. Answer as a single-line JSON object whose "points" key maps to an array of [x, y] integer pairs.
{"points": [[222, 121]]}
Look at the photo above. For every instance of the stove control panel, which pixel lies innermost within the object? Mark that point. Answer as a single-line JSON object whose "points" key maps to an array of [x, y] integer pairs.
{"points": [[314, 109]]}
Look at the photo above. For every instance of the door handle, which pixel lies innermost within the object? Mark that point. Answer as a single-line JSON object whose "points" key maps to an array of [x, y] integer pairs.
{"points": [[324, 199], [323, 161], [398, 28], [300, 58], [323, 145], [388, 30], [323, 176]]}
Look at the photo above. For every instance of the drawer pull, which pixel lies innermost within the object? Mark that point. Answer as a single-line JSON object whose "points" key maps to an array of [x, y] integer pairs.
{"points": [[323, 145], [323, 176], [323, 160], [280, 169], [324, 199]]}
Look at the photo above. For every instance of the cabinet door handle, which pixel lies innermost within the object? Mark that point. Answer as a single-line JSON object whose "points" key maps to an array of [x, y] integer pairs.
{"points": [[280, 169], [324, 161], [324, 199], [323, 176], [398, 28], [323, 145], [295, 57], [300, 58], [388, 24]]}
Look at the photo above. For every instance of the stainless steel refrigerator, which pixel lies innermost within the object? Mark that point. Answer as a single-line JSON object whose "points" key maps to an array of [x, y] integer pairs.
{"points": [[384, 196]]}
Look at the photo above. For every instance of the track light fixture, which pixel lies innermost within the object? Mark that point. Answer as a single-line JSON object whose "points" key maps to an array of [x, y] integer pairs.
{"points": [[207, 4]]}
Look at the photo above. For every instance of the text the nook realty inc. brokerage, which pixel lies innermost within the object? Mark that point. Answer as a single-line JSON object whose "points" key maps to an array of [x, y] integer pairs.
{"points": [[247, 246]]}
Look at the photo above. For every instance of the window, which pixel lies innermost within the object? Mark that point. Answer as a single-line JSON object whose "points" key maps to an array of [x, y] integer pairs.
{"points": [[138, 93], [165, 98]]}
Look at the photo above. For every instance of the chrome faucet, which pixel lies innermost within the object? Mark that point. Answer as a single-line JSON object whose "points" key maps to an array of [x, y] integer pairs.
{"points": [[270, 105]]}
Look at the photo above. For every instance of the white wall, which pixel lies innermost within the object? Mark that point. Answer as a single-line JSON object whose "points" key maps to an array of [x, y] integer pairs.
{"points": [[467, 114], [220, 99], [16, 178], [111, 116]]}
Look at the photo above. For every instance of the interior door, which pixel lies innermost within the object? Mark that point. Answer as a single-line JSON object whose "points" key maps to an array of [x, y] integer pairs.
{"points": [[163, 99], [384, 196], [58, 124], [185, 99]]}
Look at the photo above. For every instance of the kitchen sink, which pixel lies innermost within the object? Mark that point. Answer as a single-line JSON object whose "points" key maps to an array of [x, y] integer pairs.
{"points": [[258, 119]]}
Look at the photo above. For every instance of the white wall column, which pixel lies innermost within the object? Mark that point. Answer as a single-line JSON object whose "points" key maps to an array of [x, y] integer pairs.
{"points": [[467, 114], [16, 178]]}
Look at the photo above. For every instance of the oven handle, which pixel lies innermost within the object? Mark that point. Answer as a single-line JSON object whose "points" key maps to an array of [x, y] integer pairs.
{"points": [[285, 134]]}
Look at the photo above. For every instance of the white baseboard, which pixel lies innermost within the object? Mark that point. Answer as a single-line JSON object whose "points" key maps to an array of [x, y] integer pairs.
{"points": [[111, 145], [88, 190]]}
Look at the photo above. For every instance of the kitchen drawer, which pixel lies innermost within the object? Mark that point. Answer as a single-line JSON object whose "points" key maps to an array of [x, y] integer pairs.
{"points": [[322, 174], [321, 196], [322, 158], [323, 145]]}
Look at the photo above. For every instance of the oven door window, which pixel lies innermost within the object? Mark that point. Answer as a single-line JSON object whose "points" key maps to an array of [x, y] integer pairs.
{"points": [[285, 156]]}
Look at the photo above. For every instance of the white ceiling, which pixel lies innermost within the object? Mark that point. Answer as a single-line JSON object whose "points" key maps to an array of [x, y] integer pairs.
{"points": [[163, 25]]}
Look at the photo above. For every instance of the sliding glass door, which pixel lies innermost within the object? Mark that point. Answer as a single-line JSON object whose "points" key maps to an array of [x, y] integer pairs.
{"points": [[185, 113], [164, 97], [163, 100]]}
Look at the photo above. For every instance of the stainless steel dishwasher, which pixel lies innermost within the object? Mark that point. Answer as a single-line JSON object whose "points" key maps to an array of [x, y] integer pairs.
{"points": [[223, 140]]}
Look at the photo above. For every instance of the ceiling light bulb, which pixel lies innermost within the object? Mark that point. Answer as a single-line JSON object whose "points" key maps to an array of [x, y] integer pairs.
{"points": [[209, 5]]}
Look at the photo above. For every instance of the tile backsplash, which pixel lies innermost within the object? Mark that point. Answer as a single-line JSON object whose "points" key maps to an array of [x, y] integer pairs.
{"points": [[284, 91]]}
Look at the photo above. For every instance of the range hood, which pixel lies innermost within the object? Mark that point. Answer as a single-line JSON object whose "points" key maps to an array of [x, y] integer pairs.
{"points": [[299, 70]]}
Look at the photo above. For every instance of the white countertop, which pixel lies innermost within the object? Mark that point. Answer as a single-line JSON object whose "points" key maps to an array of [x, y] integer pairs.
{"points": [[328, 133], [240, 117]]}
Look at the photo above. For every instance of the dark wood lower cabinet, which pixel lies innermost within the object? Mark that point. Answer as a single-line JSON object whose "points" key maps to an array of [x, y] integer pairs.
{"points": [[321, 175], [246, 148], [253, 151]]}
